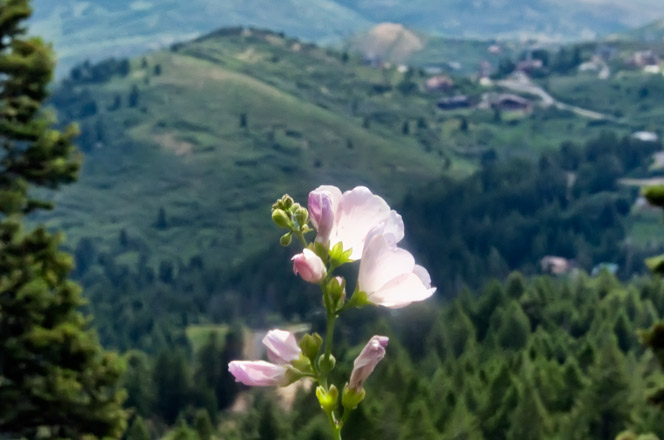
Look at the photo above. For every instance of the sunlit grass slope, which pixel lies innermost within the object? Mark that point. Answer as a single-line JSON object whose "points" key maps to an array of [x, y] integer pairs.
{"points": [[213, 136]]}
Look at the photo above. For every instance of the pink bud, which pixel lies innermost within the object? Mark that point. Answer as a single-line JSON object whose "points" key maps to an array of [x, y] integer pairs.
{"points": [[322, 205], [364, 364], [258, 373], [309, 266], [281, 346]]}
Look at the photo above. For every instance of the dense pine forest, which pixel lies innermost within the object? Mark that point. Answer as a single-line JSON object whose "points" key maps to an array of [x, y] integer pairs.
{"points": [[541, 359]]}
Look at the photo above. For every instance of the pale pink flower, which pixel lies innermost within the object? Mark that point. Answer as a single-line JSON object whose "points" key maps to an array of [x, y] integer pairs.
{"points": [[309, 266], [389, 275], [364, 364], [258, 373], [281, 346], [347, 218]]}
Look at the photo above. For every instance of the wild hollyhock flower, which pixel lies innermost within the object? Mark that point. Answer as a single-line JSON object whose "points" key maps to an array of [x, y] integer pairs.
{"points": [[281, 346], [389, 275], [364, 364], [309, 266], [347, 218], [282, 349], [258, 373]]}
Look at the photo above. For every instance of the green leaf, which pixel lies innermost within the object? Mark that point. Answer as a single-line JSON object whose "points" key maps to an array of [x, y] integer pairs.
{"points": [[656, 264], [655, 195]]}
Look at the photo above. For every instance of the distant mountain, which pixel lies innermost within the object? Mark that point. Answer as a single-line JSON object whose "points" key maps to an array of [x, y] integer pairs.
{"points": [[649, 33], [545, 19], [97, 29]]}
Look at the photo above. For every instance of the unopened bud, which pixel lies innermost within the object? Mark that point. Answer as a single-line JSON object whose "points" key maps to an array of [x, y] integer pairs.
{"points": [[310, 345], [309, 266], [287, 201], [326, 364], [286, 239], [281, 219], [336, 288], [302, 216]]}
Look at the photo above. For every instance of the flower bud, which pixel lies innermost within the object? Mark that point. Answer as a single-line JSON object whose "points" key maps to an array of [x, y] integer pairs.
{"points": [[321, 211], [309, 266], [326, 364], [336, 288], [327, 400], [281, 219], [302, 216], [310, 345], [364, 364], [286, 239]]}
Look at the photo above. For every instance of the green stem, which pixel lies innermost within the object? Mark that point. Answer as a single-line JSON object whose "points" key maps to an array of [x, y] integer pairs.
{"points": [[331, 317], [300, 237], [333, 424]]}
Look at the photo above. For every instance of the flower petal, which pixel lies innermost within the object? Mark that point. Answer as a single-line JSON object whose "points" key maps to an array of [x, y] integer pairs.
{"points": [[281, 346], [382, 262], [401, 291], [358, 213]]}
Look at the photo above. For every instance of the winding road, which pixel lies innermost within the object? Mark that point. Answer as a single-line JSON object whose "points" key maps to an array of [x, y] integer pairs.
{"points": [[523, 84]]}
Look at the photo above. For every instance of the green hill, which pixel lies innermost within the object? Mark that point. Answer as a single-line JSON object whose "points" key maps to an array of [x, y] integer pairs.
{"points": [[215, 130], [97, 29]]}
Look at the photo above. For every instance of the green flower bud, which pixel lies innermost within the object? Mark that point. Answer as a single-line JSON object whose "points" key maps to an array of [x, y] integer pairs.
{"points": [[327, 400], [286, 239], [302, 216], [351, 398], [286, 201], [326, 365], [281, 219], [336, 288], [310, 345]]}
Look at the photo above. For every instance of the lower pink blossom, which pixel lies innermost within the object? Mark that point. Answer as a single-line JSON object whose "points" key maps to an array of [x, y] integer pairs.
{"points": [[258, 373], [364, 364]]}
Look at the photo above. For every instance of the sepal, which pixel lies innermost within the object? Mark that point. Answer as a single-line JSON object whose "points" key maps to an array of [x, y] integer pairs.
{"points": [[351, 398], [339, 256], [327, 399], [302, 364]]}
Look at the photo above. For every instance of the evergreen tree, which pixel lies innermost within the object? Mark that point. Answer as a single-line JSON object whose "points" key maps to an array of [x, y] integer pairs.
{"points": [[605, 402], [171, 381], [203, 424], [530, 420], [138, 383], [137, 430], [55, 379]]}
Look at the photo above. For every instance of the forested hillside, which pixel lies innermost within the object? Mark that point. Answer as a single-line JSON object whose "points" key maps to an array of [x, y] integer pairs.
{"points": [[544, 359]]}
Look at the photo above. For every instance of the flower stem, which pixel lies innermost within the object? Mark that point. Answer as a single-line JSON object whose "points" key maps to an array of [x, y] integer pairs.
{"points": [[300, 236]]}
